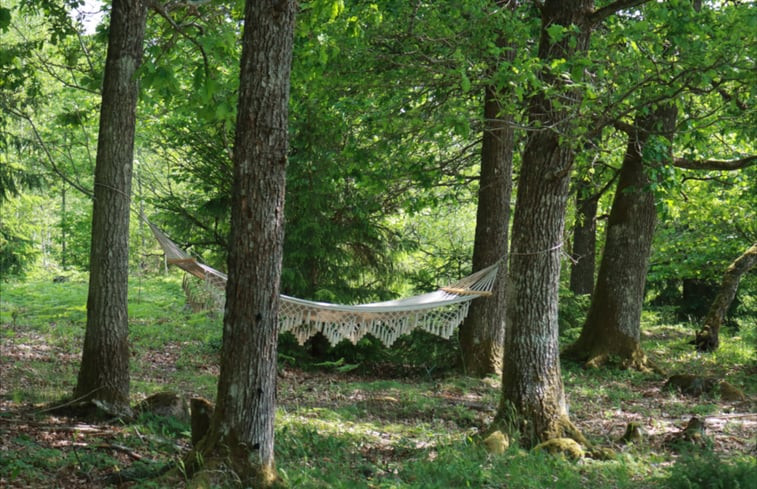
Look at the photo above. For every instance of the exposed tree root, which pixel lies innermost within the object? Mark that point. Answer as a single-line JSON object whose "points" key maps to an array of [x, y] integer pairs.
{"points": [[514, 427], [569, 430], [599, 357], [212, 463], [89, 410], [706, 339]]}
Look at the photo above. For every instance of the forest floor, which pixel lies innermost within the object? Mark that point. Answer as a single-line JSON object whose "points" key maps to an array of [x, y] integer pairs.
{"points": [[381, 425]]}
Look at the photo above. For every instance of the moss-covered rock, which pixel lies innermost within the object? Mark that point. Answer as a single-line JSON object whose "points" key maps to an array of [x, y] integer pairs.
{"points": [[166, 403], [497, 442], [695, 385], [567, 447], [729, 392]]}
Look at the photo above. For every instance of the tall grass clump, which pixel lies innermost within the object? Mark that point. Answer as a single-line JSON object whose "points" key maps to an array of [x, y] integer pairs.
{"points": [[708, 470]]}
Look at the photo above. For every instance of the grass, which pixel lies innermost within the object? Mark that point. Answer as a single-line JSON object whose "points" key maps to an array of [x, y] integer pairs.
{"points": [[361, 428]]}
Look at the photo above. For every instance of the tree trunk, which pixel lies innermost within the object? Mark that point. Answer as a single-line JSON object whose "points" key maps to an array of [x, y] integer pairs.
{"points": [[533, 400], [612, 325], [63, 225], [483, 332], [584, 241], [241, 433], [707, 339], [104, 371]]}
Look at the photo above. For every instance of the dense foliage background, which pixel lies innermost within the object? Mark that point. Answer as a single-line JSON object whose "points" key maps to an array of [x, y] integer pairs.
{"points": [[385, 133]]}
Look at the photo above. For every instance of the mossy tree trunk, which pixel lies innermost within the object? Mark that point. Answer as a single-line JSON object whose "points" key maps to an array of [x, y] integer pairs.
{"points": [[483, 332], [241, 434], [533, 399], [707, 339], [612, 325], [104, 370]]}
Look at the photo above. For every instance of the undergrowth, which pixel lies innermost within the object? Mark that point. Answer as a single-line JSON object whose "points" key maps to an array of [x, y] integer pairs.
{"points": [[360, 417]]}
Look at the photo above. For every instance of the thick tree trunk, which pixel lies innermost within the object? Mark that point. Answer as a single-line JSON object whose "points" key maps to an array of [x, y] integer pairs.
{"points": [[612, 325], [707, 338], [584, 241], [483, 332], [104, 371], [533, 400], [241, 433]]}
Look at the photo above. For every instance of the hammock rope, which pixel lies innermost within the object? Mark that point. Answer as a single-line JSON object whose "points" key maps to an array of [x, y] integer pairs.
{"points": [[438, 312]]}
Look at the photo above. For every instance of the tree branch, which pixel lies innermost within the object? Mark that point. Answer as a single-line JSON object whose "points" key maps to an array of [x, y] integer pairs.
{"points": [[725, 165], [625, 127], [49, 155], [720, 181], [612, 8], [163, 11], [728, 98]]}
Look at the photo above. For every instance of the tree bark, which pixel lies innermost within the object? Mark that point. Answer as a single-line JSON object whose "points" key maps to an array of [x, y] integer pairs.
{"points": [[242, 430], [584, 249], [63, 226], [533, 400], [612, 325], [483, 332], [104, 370], [707, 338], [584, 241]]}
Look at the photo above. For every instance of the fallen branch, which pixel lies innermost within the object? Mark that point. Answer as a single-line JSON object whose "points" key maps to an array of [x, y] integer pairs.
{"points": [[101, 446], [69, 403]]}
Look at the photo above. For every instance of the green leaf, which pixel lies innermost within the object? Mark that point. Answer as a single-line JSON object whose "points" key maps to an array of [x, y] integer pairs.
{"points": [[336, 9], [465, 82], [222, 111], [556, 32]]}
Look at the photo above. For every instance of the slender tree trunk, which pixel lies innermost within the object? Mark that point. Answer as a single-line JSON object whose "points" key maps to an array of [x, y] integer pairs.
{"points": [[104, 371], [63, 226], [482, 335], [707, 338], [533, 400], [612, 325], [142, 241], [483, 332], [241, 432], [584, 241]]}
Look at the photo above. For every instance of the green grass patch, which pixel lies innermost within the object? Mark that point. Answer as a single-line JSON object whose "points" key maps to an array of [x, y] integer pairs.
{"points": [[406, 426]]}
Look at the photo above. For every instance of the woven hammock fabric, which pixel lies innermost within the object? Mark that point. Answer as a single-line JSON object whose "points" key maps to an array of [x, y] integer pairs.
{"points": [[438, 312]]}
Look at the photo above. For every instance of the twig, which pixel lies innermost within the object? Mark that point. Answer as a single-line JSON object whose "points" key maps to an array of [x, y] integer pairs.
{"points": [[122, 448], [69, 403], [81, 466]]}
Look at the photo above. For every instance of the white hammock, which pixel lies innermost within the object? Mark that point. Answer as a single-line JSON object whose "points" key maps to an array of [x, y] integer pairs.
{"points": [[438, 312]]}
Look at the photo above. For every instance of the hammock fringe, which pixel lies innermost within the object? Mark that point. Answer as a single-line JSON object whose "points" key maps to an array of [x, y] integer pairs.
{"points": [[438, 312]]}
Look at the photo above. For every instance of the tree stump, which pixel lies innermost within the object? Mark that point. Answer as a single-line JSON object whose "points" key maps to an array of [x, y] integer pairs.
{"points": [[633, 434], [202, 413]]}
